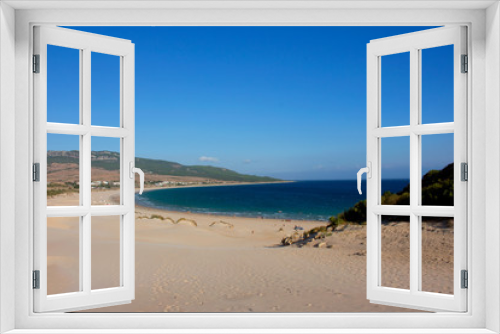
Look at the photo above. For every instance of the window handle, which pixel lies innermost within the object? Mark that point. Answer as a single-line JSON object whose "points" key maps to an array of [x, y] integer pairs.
{"points": [[134, 170], [368, 171]]}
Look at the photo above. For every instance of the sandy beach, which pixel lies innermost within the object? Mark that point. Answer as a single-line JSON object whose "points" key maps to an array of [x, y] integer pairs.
{"points": [[188, 262]]}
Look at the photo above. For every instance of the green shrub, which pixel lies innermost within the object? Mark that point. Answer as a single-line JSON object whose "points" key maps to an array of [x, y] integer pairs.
{"points": [[54, 192], [356, 214]]}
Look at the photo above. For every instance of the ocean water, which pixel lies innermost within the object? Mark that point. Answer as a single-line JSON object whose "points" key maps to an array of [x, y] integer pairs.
{"points": [[305, 200]]}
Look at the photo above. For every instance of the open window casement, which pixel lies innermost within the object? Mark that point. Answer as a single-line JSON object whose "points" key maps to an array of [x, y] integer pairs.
{"points": [[413, 294], [83, 212]]}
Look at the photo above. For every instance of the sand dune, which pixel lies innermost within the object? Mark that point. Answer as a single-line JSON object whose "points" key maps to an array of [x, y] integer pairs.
{"points": [[233, 264]]}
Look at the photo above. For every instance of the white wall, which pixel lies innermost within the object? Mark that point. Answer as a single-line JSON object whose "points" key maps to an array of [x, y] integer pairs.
{"points": [[492, 164], [7, 161]]}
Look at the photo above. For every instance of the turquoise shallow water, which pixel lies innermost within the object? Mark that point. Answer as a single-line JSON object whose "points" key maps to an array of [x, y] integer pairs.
{"points": [[311, 200]]}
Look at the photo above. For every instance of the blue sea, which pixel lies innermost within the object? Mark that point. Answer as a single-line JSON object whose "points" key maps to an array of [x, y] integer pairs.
{"points": [[305, 200]]}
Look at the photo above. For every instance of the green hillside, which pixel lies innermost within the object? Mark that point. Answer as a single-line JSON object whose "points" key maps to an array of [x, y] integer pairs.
{"points": [[110, 161], [437, 189]]}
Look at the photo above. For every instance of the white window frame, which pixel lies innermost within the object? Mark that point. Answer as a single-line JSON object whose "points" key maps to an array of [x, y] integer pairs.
{"points": [[414, 43], [482, 19], [86, 44]]}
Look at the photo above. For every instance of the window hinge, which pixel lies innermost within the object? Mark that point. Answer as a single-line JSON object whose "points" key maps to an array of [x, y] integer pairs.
{"points": [[465, 279], [36, 63], [464, 171], [36, 279], [36, 172], [465, 64]]}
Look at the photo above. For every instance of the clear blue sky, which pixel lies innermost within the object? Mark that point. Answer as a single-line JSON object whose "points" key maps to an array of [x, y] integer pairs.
{"points": [[288, 102]]}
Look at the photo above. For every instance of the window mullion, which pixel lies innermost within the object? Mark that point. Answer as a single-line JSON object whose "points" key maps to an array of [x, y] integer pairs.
{"points": [[414, 170], [86, 165]]}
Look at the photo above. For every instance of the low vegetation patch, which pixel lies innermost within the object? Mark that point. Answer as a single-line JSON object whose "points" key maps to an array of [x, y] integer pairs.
{"points": [[155, 216], [185, 220], [221, 223], [58, 188]]}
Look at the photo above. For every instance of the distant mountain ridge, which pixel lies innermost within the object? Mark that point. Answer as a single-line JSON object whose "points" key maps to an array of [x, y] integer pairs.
{"points": [[110, 161]]}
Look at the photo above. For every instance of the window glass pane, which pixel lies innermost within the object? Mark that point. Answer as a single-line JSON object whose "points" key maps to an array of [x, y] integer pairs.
{"points": [[105, 90], [105, 162], [105, 252], [395, 89], [437, 169], [63, 170], [437, 254], [63, 85], [63, 255], [395, 244], [437, 84], [395, 171]]}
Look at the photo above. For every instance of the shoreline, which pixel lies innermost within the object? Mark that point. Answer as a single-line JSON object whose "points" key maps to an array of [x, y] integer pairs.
{"points": [[112, 195], [213, 185], [226, 216], [221, 215]]}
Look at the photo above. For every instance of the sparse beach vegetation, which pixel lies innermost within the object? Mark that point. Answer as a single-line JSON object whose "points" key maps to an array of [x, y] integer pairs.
{"points": [[186, 220]]}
